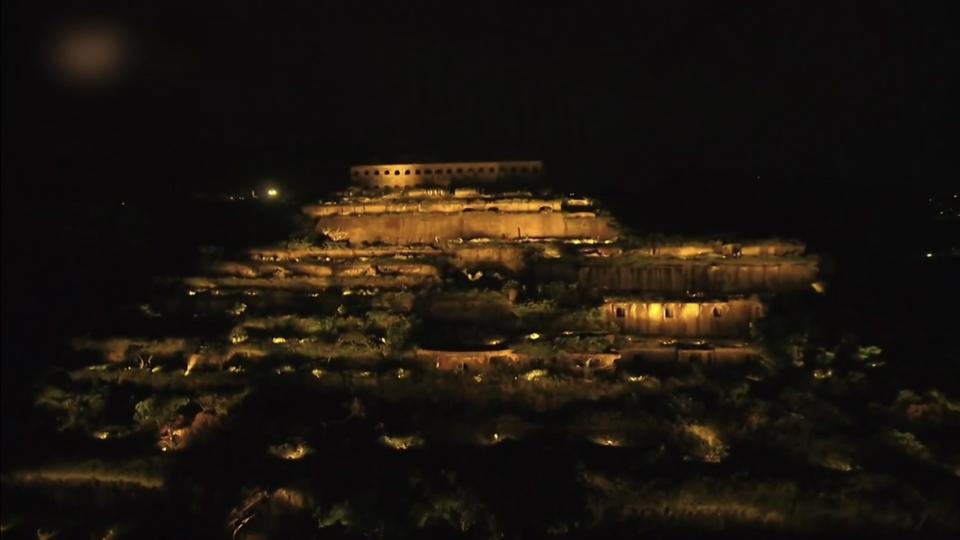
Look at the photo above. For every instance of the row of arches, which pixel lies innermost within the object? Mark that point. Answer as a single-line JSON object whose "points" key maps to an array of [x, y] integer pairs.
{"points": [[521, 170]]}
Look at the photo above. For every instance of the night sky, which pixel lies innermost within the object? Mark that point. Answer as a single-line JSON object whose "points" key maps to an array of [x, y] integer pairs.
{"points": [[217, 95]]}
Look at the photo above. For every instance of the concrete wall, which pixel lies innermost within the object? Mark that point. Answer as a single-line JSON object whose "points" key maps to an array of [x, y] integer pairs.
{"points": [[509, 257], [683, 318], [283, 269], [450, 205], [770, 248], [428, 228], [352, 252], [414, 174], [310, 283], [745, 276]]}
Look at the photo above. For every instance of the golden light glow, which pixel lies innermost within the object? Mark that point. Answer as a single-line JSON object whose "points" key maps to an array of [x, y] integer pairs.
{"points": [[290, 451], [401, 443], [552, 252], [272, 192], [821, 374], [534, 374], [90, 54], [606, 440], [191, 363], [837, 463], [238, 336], [715, 449]]}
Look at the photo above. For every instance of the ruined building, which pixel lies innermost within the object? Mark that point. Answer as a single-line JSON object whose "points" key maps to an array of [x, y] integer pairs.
{"points": [[473, 269]]}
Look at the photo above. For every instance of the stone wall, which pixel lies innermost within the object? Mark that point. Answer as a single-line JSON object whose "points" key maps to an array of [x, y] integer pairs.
{"points": [[447, 205], [414, 174], [683, 318], [429, 228], [727, 277], [284, 269], [508, 257], [768, 248]]}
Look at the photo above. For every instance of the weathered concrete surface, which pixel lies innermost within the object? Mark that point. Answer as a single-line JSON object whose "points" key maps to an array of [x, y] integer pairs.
{"points": [[395, 175], [344, 252], [310, 284], [285, 269], [434, 227], [683, 318], [731, 276], [687, 249], [444, 206], [506, 256], [718, 278]]}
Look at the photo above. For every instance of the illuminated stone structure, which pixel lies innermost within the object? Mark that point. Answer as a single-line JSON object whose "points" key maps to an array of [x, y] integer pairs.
{"points": [[485, 275], [443, 174], [683, 317]]}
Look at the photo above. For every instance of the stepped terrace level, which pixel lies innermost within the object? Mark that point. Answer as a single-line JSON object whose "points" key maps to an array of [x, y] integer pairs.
{"points": [[683, 318], [630, 271], [435, 227], [417, 216], [394, 175]]}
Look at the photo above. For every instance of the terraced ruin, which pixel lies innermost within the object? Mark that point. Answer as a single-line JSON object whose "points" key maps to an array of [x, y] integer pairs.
{"points": [[476, 356]]}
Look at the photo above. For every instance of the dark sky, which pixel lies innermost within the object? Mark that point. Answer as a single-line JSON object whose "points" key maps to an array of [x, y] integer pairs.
{"points": [[215, 93]]}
